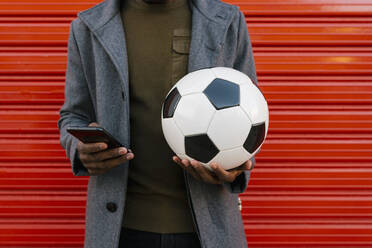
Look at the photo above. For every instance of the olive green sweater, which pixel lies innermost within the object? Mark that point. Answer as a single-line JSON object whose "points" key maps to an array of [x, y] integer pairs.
{"points": [[157, 38]]}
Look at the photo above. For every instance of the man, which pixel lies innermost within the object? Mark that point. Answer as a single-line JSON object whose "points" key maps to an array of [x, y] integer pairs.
{"points": [[123, 57]]}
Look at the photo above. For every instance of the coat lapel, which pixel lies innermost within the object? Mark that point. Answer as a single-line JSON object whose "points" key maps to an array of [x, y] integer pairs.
{"points": [[112, 38], [210, 20], [105, 23]]}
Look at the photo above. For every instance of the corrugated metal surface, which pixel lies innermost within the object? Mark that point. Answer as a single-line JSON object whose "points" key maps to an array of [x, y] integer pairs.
{"points": [[313, 180], [41, 203], [312, 186]]}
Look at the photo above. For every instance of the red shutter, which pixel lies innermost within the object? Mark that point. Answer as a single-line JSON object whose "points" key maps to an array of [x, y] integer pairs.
{"points": [[312, 183], [41, 203]]}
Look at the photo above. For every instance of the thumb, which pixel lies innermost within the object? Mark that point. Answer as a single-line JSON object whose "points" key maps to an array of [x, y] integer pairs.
{"points": [[93, 124]]}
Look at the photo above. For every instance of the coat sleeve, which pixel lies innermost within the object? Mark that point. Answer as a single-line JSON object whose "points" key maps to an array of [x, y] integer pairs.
{"points": [[77, 109], [244, 62]]}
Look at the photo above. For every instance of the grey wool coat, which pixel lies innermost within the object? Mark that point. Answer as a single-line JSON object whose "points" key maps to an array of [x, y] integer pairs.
{"points": [[96, 90]]}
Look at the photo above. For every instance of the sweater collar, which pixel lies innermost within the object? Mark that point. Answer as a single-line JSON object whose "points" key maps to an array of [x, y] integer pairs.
{"points": [[97, 16]]}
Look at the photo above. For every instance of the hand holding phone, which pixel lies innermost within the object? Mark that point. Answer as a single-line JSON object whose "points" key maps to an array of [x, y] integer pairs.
{"points": [[98, 150]]}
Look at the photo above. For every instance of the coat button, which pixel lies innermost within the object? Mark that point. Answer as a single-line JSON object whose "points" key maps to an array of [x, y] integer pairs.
{"points": [[111, 206]]}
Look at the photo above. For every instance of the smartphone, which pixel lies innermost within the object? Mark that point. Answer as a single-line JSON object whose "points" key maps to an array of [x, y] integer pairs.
{"points": [[94, 135]]}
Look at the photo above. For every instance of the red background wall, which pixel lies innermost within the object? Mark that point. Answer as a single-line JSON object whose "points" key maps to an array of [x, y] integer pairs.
{"points": [[312, 185]]}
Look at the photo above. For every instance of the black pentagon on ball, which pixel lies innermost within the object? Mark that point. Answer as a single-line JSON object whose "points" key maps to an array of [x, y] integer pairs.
{"points": [[255, 137], [200, 147], [170, 103], [223, 94]]}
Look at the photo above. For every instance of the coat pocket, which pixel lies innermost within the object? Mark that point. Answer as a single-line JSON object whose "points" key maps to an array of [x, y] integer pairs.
{"points": [[180, 53]]}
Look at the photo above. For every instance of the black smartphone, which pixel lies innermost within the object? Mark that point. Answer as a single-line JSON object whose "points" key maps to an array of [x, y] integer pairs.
{"points": [[94, 135]]}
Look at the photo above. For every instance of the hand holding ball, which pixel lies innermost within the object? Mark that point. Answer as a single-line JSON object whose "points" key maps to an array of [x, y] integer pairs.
{"points": [[215, 115]]}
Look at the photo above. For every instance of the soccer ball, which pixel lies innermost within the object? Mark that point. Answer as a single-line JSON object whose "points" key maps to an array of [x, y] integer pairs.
{"points": [[215, 115]]}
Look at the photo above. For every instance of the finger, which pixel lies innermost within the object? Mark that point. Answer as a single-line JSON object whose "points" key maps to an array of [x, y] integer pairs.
{"points": [[187, 168], [113, 162], [96, 172], [93, 124], [248, 165], [241, 167], [107, 164], [177, 160], [91, 147], [92, 172], [204, 173], [185, 162], [104, 155], [224, 175], [93, 168]]}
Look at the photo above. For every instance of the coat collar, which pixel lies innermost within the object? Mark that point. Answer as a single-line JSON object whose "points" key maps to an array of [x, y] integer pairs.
{"points": [[210, 21]]}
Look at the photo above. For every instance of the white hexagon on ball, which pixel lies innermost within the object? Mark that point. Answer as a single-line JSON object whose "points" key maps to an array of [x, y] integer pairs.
{"points": [[193, 114], [229, 128]]}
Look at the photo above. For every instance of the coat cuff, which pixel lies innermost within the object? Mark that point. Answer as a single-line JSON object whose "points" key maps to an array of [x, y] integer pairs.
{"points": [[240, 184]]}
